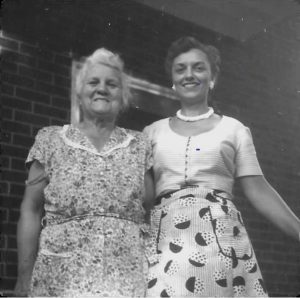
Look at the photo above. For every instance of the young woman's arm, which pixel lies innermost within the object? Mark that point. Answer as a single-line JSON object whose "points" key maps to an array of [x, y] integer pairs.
{"points": [[29, 226], [268, 202]]}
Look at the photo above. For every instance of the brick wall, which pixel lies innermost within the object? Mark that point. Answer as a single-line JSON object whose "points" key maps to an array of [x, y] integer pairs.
{"points": [[35, 93], [258, 85]]}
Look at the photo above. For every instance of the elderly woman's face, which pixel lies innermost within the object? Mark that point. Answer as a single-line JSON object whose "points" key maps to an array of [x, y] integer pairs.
{"points": [[191, 73], [101, 92]]}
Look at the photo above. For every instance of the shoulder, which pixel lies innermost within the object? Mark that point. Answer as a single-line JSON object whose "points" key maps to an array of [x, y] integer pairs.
{"points": [[240, 133], [136, 135], [232, 123], [48, 131], [155, 126]]}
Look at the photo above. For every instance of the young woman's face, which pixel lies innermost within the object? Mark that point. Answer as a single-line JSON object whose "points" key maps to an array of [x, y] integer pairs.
{"points": [[101, 93], [191, 74]]}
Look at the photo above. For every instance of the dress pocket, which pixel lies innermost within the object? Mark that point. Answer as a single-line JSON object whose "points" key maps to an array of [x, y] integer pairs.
{"points": [[231, 235]]}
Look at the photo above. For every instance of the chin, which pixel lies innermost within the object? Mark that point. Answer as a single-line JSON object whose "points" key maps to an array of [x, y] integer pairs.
{"points": [[190, 95]]}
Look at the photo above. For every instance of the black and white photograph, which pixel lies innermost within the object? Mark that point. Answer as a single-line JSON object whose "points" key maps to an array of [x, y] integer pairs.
{"points": [[150, 148]]}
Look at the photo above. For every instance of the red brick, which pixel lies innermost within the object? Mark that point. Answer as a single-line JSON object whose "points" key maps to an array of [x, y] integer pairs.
{"points": [[17, 189], [14, 215], [31, 118], [14, 151], [9, 255], [14, 176], [7, 283], [36, 52], [61, 102], [3, 241], [10, 202], [3, 217], [13, 102], [19, 58], [63, 60], [2, 273], [4, 187], [9, 44], [7, 113], [35, 74], [28, 49], [17, 80], [50, 111], [54, 68], [25, 141], [9, 66], [12, 126], [11, 240], [7, 89], [34, 130], [51, 89], [62, 81], [11, 270], [6, 137], [5, 162], [19, 164], [32, 95], [9, 228]]}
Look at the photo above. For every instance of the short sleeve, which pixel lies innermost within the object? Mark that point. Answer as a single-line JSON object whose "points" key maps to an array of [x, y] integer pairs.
{"points": [[40, 149], [246, 159]]}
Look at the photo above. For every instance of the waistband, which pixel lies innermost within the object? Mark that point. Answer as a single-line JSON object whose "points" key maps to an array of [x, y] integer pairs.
{"points": [[48, 221], [194, 190]]}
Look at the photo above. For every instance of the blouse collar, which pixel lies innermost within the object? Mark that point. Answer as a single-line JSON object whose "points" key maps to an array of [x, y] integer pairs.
{"points": [[73, 137]]}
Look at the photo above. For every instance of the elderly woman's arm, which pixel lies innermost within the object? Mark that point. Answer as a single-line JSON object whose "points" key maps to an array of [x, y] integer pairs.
{"points": [[29, 227], [149, 194], [268, 202]]}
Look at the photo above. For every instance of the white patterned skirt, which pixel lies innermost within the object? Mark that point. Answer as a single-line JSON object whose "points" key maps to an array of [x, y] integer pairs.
{"points": [[201, 248]]}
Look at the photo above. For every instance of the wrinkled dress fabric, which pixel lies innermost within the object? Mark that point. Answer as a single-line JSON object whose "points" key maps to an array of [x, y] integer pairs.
{"points": [[91, 243]]}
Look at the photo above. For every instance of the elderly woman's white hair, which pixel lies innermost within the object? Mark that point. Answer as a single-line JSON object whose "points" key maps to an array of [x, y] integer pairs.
{"points": [[106, 57]]}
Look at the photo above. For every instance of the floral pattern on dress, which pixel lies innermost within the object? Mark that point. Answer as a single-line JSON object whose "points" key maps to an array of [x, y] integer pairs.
{"points": [[92, 242]]}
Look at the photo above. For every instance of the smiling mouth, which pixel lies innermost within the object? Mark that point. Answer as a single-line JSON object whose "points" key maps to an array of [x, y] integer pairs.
{"points": [[190, 85], [101, 99]]}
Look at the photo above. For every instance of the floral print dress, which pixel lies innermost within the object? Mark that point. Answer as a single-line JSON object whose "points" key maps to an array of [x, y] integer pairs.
{"points": [[91, 243]]}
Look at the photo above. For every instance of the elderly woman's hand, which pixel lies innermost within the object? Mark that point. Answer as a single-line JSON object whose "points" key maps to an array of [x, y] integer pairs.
{"points": [[21, 288]]}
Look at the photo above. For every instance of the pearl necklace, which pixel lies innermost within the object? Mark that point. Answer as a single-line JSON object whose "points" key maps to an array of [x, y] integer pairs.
{"points": [[195, 118]]}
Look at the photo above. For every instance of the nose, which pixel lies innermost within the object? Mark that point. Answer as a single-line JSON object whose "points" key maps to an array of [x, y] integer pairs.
{"points": [[102, 88], [188, 75]]}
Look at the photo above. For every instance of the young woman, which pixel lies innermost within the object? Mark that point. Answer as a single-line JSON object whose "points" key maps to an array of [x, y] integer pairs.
{"points": [[202, 247]]}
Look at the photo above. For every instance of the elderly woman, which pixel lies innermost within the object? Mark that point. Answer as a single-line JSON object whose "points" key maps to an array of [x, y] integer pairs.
{"points": [[202, 247], [85, 185]]}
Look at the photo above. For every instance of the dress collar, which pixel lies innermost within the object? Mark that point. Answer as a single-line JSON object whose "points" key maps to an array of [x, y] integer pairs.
{"points": [[73, 137]]}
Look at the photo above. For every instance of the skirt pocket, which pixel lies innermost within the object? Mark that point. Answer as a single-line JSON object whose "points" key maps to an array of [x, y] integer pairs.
{"points": [[231, 235]]}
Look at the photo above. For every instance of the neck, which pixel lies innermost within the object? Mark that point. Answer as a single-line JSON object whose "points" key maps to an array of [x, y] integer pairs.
{"points": [[97, 126], [194, 109]]}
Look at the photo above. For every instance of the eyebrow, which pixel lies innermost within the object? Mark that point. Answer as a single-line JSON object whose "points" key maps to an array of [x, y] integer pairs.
{"points": [[196, 63], [114, 79]]}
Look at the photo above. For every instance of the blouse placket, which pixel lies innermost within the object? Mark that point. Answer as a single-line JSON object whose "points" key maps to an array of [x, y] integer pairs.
{"points": [[186, 164]]}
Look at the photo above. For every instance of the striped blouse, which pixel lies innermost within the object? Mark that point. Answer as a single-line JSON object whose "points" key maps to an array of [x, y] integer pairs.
{"points": [[212, 159]]}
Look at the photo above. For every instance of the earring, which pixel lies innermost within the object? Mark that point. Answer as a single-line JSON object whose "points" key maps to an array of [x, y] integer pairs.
{"points": [[211, 85], [173, 87]]}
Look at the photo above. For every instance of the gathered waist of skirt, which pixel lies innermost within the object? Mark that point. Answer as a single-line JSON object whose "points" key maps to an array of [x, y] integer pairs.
{"points": [[47, 220], [194, 190]]}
